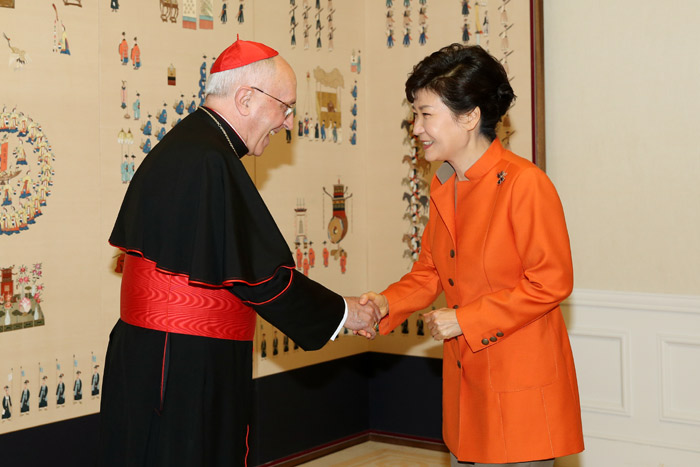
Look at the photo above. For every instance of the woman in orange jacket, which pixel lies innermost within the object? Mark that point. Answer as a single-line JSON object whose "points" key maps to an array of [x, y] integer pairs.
{"points": [[496, 243]]}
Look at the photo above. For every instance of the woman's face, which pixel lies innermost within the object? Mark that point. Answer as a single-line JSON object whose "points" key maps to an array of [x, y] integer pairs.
{"points": [[443, 136]]}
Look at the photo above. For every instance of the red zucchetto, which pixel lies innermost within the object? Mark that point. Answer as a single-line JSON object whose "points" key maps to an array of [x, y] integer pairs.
{"points": [[242, 53]]}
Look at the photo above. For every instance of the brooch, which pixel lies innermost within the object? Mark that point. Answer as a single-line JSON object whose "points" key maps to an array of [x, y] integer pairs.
{"points": [[501, 176]]}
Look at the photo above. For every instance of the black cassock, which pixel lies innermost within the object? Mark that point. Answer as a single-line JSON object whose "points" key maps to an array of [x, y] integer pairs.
{"points": [[193, 210]]}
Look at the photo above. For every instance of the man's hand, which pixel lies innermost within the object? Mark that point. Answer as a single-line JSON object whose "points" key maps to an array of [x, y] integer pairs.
{"points": [[362, 317], [379, 300], [443, 324]]}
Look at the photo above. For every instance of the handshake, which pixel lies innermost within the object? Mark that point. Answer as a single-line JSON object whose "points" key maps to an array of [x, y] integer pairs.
{"points": [[365, 313]]}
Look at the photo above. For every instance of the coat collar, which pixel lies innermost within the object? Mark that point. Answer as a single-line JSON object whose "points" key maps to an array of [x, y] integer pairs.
{"points": [[480, 168], [443, 194]]}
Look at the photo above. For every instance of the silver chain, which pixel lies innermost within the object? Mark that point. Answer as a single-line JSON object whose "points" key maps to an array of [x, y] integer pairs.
{"points": [[222, 130]]}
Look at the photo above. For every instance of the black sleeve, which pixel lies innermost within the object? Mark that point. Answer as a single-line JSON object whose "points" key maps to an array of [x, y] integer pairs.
{"points": [[304, 310]]}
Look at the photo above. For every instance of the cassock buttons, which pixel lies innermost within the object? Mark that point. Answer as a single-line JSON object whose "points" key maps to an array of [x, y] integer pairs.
{"points": [[452, 253], [455, 306], [493, 338], [459, 364], [485, 341], [452, 283], [499, 334]]}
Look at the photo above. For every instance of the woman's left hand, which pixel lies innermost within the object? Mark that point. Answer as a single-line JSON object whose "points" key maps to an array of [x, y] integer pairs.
{"points": [[443, 324]]}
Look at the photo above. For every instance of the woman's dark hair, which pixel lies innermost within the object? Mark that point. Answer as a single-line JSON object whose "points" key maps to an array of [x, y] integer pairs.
{"points": [[465, 77]]}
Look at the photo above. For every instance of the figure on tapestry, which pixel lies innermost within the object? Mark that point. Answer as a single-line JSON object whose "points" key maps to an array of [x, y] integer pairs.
{"points": [[6, 404], [24, 399], [78, 387], [136, 55], [123, 50], [95, 382], [43, 393], [60, 45], [338, 225], [21, 297], [169, 10], [18, 57], [60, 391]]}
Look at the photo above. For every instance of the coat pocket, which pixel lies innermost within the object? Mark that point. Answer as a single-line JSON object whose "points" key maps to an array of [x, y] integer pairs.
{"points": [[524, 360]]}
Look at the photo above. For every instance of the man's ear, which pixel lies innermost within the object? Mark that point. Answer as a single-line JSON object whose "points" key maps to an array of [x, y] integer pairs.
{"points": [[242, 98]]}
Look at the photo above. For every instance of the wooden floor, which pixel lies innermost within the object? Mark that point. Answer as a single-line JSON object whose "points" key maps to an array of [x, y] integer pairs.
{"points": [[372, 453]]}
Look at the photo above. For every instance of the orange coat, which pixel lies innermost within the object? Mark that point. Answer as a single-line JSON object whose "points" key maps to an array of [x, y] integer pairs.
{"points": [[497, 245]]}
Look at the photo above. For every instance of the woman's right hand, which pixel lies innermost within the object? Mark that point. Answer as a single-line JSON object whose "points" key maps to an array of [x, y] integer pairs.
{"points": [[378, 299]]}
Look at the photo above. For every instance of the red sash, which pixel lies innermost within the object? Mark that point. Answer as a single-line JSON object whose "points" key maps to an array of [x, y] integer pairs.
{"points": [[163, 301]]}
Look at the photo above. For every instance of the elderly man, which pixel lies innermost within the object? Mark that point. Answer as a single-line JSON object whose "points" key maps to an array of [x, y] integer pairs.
{"points": [[204, 255]]}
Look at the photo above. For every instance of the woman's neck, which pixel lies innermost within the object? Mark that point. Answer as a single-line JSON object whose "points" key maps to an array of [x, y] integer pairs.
{"points": [[472, 152]]}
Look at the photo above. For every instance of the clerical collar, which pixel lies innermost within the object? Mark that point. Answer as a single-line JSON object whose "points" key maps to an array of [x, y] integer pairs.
{"points": [[233, 128]]}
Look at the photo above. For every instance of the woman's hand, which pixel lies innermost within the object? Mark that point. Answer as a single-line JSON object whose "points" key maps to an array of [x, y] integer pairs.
{"points": [[379, 300], [443, 324]]}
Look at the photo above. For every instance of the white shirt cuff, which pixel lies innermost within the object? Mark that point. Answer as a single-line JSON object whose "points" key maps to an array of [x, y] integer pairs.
{"points": [[342, 322]]}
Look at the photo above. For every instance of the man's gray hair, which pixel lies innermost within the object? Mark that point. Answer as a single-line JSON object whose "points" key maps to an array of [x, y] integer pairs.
{"points": [[255, 74]]}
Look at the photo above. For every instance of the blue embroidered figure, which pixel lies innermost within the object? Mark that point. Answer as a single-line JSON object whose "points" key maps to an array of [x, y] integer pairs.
{"points": [[136, 107], [161, 133], [125, 169], [353, 125], [224, 14], [193, 106], [132, 167], [180, 106], [353, 110], [390, 38], [323, 130], [407, 37], [202, 80], [465, 32], [423, 37], [163, 116], [147, 127], [353, 92], [240, 14], [353, 139], [146, 146]]}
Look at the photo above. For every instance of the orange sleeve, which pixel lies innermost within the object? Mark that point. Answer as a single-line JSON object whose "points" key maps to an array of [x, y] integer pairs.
{"points": [[417, 289], [542, 242]]}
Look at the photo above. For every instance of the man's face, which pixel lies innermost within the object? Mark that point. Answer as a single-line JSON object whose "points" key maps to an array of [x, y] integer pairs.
{"points": [[270, 115]]}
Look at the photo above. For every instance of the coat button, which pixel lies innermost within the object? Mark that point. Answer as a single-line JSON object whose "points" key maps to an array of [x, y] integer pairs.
{"points": [[485, 341], [452, 283], [452, 253], [499, 334], [455, 306], [493, 338], [459, 365]]}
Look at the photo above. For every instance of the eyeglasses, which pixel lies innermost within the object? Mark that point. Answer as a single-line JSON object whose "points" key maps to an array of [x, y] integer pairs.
{"points": [[289, 108]]}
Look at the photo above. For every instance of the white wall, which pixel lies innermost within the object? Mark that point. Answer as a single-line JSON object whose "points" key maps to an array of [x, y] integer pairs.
{"points": [[621, 90]]}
